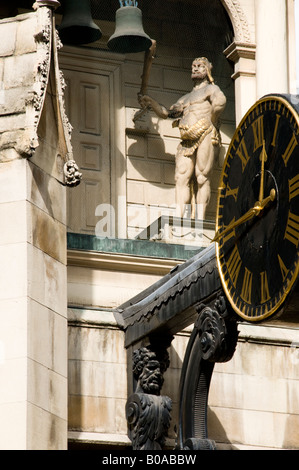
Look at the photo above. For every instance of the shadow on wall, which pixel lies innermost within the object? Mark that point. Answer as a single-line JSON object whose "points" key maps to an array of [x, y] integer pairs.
{"points": [[171, 388], [217, 432]]}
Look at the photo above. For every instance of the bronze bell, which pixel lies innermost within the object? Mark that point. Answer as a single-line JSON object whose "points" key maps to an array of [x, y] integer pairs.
{"points": [[77, 26], [129, 35]]}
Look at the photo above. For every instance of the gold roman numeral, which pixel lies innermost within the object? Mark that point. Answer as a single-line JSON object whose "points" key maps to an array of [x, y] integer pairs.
{"points": [[243, 154], [283, 268], [233, 265], [294, 187], [247, 286], [292, 229], [289, 150], [258, 132], [232, 192], [265, 295], [273, 143]]}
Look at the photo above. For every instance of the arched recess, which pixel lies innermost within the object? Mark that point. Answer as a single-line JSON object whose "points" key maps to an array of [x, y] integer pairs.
{"points": [[238, 19], [242, 53]]}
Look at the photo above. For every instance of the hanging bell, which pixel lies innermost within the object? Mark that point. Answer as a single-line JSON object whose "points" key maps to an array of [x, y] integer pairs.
{"points": [[129, 35], [77, 26]]}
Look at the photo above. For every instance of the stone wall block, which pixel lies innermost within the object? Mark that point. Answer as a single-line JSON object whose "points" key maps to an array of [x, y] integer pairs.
{"points": [[20, 70], [11, 414], [136, 146], [9, 123], [144, 170], [41, 348], [13, 101], [15, 389], [13, 274], [47, 280], [45, 430], [135, 192], [14, 228], [93, 414], [48, 234], [2, 60], [25, 41], [46, 193], [13, 338], [13, 181], [46, 389], [90, 344], [97, 378], [8, 38]]}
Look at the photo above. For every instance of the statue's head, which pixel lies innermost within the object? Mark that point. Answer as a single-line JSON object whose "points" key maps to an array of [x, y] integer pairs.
{"points": [[202, 68], [148, 370]]}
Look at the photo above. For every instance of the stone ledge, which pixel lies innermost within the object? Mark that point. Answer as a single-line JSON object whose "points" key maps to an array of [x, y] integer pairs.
{"points": [[120, 262], [277, 335], [98, 438], [96, 317]]}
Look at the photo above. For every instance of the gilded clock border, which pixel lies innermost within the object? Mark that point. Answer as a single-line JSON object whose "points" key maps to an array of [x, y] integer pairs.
{"points": [[275, 309]]}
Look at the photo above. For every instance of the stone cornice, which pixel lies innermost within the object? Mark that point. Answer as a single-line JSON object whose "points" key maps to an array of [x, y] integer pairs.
{"points": [[120, 262], [46, 3], [238, 19], [237, 50]]}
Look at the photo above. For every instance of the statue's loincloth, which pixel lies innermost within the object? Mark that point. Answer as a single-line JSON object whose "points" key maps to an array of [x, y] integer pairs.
{"points": [[192, 136]]}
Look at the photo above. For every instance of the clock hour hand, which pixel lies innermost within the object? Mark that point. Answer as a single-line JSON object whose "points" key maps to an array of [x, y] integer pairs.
{"points": [[255, 210], [247, 216]]}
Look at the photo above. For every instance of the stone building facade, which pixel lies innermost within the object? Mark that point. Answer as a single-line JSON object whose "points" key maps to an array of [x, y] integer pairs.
{"points": [[74, 251]]}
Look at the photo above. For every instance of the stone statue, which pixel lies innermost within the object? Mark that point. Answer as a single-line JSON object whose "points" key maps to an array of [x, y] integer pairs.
{"points": [[148, 413], [197, 116]]}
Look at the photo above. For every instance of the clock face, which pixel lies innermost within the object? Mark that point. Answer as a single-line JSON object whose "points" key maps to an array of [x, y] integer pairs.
{"points": [[258, 210]]}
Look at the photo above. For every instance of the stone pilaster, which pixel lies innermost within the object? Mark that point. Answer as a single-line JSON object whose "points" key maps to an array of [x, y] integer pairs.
{"points": [[33, 282]]}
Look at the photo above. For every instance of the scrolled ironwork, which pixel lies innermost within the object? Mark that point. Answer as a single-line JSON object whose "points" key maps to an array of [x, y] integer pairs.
{"points": [[213, 339]]}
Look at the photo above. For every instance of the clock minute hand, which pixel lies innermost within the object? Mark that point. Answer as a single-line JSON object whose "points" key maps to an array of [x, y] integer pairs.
{"points": [[255, 210], [263, 158]]}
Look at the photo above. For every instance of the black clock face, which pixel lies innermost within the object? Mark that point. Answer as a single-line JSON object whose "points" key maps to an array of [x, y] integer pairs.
{"points": [[259, 199]]}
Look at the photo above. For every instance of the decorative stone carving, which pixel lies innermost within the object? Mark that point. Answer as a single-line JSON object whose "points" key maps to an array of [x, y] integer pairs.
{"points": [[71, 173], [242, 53], [35, 100], [238, 19], [147, 412], [48, 42]]}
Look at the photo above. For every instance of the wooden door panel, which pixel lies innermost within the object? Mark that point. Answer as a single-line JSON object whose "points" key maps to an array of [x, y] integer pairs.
{"points": [[88, 109]]}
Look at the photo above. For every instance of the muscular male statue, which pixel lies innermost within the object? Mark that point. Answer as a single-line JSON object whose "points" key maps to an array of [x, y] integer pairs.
{"points": [[197, 116]]}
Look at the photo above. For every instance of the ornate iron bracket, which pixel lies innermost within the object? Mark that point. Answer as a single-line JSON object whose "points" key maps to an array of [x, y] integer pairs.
{"points": [[147, 412], [214, 339]]}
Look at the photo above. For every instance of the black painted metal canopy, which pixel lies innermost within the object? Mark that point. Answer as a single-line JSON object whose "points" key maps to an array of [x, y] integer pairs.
{"points": [[169, 304]]}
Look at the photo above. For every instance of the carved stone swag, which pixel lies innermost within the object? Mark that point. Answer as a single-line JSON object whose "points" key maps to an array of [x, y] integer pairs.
{"points": [[212, 340]]}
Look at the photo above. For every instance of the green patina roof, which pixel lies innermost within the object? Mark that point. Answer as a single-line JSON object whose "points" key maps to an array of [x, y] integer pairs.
{"points": [[148, 248]]}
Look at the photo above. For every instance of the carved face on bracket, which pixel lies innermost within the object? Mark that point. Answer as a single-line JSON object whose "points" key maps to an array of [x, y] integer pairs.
{"points": [[148, 371], [151, 379]]}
